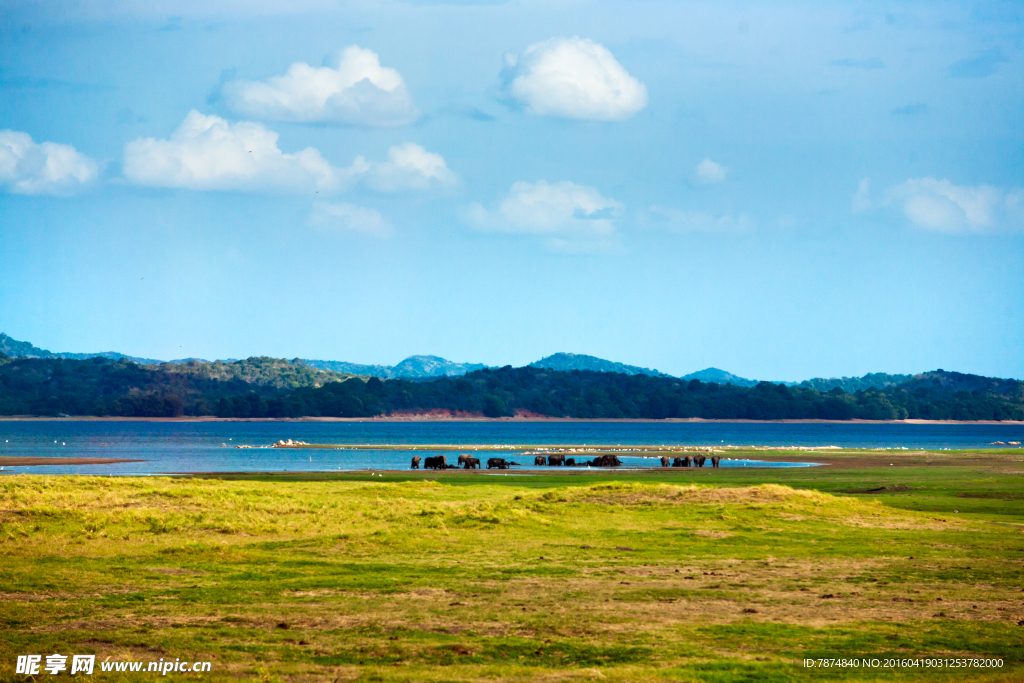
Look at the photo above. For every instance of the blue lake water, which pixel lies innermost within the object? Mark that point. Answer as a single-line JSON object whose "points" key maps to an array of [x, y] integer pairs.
{"points": [[197, 446]]}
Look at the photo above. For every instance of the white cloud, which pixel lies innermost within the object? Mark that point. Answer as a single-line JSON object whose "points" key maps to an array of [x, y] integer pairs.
{"points": [[862, 199], [409, 167], [350, 217], [351, 88], [570, 217], [941, 206], [44, 168], [708, 171], [209, 153], [675, 220], [573, 78]]}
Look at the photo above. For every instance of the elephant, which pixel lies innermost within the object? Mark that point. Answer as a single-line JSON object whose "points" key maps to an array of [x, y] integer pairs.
{"points": [[462, 459], [415, 463], [677, 462], [570, 462], [471, 463], [665, 461], [556, 460], [606, 460], [540, 460], [688, 461], [498, 463], [699, 460], [715, 460], [437, 462]]}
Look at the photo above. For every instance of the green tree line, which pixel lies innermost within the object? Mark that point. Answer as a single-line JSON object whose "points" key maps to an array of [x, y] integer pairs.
{"points": [[258, 388]]}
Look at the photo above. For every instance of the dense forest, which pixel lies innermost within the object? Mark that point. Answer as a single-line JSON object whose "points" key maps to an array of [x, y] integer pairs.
{"points": [[101, 386], [269, 387]]}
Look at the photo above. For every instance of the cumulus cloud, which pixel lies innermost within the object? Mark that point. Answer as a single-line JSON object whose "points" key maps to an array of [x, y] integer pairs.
{"points": [[709, 172], [44, 168], [352, 87], [942, 206], [209, 153], [568, 216], [573, 78], [349, 217], [409, 167]]}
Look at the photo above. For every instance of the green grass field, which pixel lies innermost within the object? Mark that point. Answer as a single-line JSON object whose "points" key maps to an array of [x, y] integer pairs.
{"points": [[681, 575]]}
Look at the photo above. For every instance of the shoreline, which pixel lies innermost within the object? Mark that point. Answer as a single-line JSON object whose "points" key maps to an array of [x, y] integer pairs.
{"points": [[465, 418], [33, 460]]}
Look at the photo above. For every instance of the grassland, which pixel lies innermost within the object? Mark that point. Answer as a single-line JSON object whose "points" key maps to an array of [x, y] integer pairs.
{"points": [[691, 575]]}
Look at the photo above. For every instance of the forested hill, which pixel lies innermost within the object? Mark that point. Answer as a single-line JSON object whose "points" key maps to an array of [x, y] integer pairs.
{"points": [[413, 367], [268, 387], [14, 348], [566, 362], [100, 386]]}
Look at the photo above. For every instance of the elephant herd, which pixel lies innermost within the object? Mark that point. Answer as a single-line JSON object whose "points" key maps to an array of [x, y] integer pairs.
{"points": [[559, 460], [555, 461], [695, 461], [440, 462], [468, 462]]}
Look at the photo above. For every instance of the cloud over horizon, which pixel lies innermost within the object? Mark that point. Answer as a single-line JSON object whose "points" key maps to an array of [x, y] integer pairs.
{"points": [[573, 78], [352, 88], [944, 207], [709, 172], [27, 167], [209, 153], [409, 167], [569, 216]]}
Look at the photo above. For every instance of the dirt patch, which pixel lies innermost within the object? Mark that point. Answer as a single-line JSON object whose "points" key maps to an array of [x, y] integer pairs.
{"points": [[175, 571], [707, 533], [624, 493], [882, 489]]}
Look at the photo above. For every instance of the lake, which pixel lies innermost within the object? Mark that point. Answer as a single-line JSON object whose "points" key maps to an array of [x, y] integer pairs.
{"points": [[196, 446]]}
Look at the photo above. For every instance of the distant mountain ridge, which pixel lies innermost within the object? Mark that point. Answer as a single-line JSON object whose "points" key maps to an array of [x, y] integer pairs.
{"points": [[422, 367], [413, 367], [717, 376], [17, 349], [566, 362]]}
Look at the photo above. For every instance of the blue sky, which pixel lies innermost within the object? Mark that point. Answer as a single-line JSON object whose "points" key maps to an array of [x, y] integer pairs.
{"points": [[783, 190]]}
